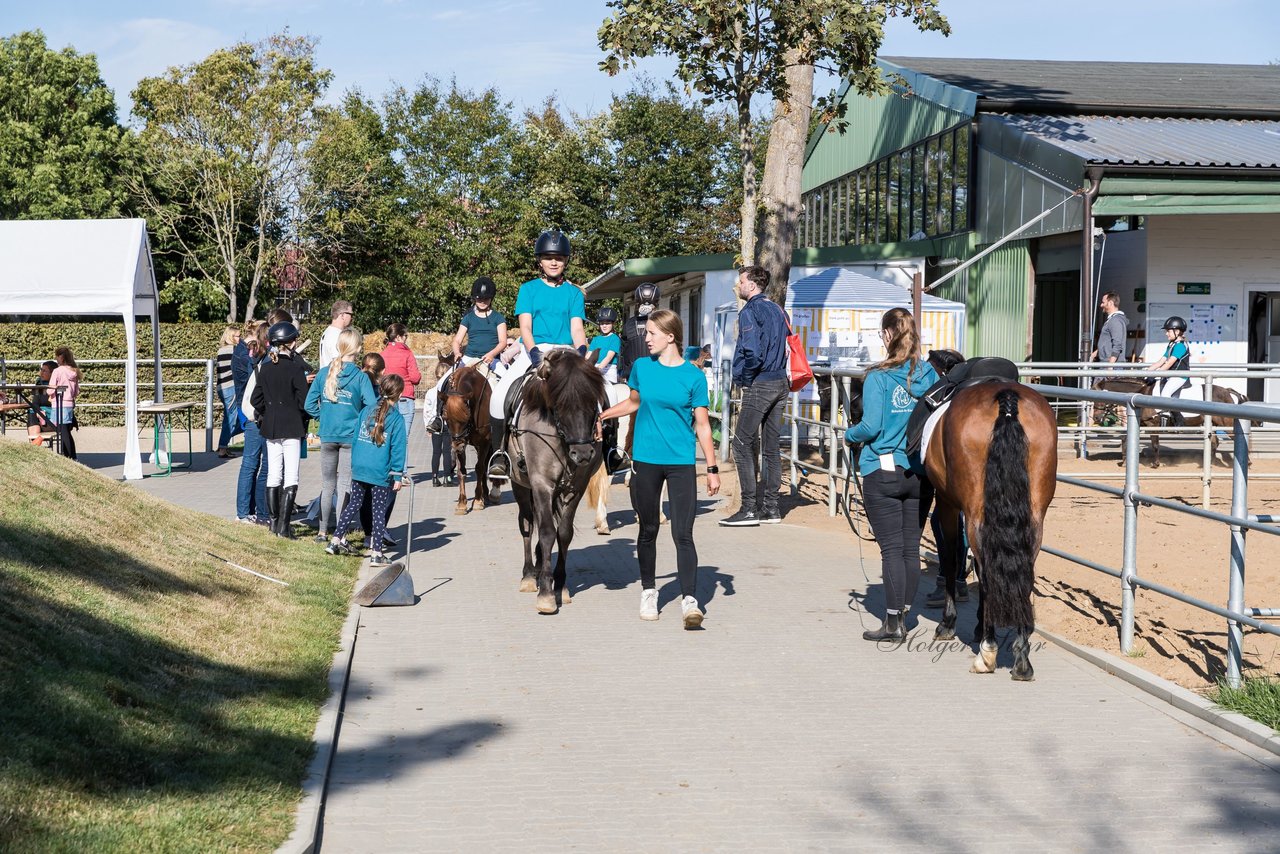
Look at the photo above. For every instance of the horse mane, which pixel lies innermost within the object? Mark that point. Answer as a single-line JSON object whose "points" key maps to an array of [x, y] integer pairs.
{"points": [[568, 381], [444, 361]]}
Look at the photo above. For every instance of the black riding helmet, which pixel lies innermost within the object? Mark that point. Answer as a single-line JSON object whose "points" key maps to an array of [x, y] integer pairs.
{"points": [[607, 314], [281, 334], [483, 288], [647, 293], [1177, 323], [552, 242]]}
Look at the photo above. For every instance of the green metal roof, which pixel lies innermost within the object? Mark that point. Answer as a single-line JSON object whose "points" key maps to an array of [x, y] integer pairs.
{"points": [[623, 276]]}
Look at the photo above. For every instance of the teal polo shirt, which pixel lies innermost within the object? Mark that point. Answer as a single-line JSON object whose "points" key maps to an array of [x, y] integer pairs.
{"points": [[664, 425], [552, 308]]}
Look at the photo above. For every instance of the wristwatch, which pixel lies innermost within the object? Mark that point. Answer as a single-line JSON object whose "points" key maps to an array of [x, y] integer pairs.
{"points": [[713, 469]]}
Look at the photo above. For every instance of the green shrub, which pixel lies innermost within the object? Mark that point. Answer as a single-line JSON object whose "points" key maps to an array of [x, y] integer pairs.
{"points": [[106, 340]]}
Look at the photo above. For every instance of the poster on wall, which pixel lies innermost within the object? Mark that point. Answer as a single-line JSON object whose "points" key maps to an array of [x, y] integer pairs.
{"points": [[1211, 328]]}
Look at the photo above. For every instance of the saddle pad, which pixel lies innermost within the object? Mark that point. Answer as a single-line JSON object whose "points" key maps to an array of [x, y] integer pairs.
{"points": [[934, 418]]}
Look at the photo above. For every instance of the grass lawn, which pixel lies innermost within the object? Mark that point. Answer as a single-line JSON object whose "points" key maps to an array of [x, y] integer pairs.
{"points": [[151, 697]]}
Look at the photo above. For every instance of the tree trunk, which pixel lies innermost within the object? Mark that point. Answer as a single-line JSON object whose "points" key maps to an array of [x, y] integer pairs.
{"points": [[783, 163], [747, 148]]}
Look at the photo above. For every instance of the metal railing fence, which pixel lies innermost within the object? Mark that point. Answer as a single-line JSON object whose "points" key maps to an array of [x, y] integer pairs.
{"points": [[839, 470]]}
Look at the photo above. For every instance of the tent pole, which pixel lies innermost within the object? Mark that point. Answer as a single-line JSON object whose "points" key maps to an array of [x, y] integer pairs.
{"points": [[132, 453]]}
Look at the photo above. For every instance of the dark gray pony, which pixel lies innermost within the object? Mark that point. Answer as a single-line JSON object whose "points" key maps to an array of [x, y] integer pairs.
{"points": [[555, 451]]}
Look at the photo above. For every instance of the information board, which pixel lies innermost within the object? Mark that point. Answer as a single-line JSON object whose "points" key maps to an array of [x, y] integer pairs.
{"points": [[1207, 323]]}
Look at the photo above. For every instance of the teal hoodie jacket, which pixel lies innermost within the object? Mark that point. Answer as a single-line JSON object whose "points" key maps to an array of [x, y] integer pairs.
{"points": [[338, 418], [379, 464], [888, 396]]}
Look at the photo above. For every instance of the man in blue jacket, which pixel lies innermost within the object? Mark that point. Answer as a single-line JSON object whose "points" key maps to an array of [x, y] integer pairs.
{"points": [[760, 362]]}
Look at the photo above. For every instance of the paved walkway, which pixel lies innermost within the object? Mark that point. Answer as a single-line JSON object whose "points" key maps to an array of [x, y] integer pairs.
{"points": [[472, 723]]}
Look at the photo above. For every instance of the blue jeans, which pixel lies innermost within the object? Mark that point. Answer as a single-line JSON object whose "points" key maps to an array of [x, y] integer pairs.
{"points": [[406, 410], [251, 491], [229, 416]]}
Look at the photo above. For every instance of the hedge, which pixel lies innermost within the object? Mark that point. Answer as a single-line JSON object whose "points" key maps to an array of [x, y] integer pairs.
{"points": [[106, 340]]}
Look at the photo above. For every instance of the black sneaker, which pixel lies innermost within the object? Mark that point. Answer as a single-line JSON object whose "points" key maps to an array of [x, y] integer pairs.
{"points": [[770, 516], [744, 518]]}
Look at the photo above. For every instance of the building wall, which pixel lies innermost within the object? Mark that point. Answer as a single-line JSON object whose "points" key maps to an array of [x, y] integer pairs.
{"points": [[1122, 268], [876, 127], [994, 291], [1229, 251]]}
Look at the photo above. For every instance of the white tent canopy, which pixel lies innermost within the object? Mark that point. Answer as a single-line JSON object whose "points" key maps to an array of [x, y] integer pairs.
{"points": [[86, 266]]}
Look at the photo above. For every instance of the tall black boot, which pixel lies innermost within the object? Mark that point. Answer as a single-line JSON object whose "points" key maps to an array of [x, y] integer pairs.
{"points": [[892, 630], [499, 463], [274, 496], [287, 498]]}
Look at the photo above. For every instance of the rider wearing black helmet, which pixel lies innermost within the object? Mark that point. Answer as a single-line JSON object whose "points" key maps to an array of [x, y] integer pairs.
{"points": [[633, 344], [485, 331], [280, 396], [550, 310], [607, 344], [1177, 357]]}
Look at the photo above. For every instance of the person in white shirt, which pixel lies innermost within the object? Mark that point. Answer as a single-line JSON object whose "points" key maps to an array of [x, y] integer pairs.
{"points": [[340, 317]]}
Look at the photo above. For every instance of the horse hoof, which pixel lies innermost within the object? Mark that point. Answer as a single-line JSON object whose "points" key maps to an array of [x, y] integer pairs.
{"points": [[528, 585], [547, 605], [565, 598], [604, 532], [460, 511], [979, 666], [1028, 675], [944, 634]]}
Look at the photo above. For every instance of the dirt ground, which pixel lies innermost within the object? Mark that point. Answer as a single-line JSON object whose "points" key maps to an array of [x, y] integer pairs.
{"points": [[1173, 640]]}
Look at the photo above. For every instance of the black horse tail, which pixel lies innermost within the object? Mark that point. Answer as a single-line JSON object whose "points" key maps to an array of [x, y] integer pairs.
{"points": [[1006, 542]]}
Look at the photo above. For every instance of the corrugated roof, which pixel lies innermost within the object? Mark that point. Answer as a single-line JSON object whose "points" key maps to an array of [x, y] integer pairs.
{"points": [[840, 287], [1128, 141], [1111, 87]]}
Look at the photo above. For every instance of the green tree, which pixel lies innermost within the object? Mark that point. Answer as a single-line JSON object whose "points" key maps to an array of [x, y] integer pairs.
{"points": [[735, 51], [62, 153], [225, 142]]}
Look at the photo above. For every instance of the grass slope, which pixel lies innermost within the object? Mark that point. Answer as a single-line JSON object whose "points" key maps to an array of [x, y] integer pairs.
{"points": [[151, 697]]}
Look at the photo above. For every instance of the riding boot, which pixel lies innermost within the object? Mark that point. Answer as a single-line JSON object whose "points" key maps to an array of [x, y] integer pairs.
{"points": [[499, 463], [892, 630], [273, 507], [1179, 420], [287, 498], [613, 459]]}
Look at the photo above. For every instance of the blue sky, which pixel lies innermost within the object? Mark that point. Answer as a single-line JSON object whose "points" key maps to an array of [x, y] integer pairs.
{"points": [[531, 49]]}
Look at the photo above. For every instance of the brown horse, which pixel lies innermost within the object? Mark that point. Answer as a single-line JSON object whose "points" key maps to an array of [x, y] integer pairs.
{"points": [[466, 411], [1152, 417], [993, 456]]}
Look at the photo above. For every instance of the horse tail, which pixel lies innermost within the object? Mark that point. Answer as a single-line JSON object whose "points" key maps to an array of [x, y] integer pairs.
{"points": [[1006, 542]]}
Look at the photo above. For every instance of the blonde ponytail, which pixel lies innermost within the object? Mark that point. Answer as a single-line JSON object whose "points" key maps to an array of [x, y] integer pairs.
{"points": [[349, 343]]}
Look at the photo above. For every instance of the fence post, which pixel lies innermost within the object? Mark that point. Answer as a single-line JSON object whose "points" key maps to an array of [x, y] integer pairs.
{"points": [[833, 451], [1239, 509], [795, 440], [1206, 421], [208, 405], [1129, 566]]}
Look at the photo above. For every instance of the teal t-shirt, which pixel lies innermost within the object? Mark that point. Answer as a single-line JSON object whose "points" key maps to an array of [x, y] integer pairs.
{"points": [[606, 344], [664, 425], [482, 332], [552, 309]]}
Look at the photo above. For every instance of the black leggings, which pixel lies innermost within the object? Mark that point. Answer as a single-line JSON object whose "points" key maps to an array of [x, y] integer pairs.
{"points": [[646, 498], [897, 506], [442, 453]]}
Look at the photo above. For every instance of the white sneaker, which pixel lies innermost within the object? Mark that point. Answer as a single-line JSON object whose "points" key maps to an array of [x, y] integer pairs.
{"points": [[648, 604], [692, 613]]}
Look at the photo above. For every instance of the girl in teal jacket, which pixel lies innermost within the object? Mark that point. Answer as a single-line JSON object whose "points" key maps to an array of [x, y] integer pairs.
{"points": [[341, 391], [896, 492], [377, 466]]}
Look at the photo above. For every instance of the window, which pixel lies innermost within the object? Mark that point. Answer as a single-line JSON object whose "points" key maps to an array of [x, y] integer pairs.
{"points": [[693, 329], [923, 188]]}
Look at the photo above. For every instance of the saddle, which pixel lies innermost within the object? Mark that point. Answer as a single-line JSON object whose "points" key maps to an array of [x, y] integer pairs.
{"points": [[985, 369]]}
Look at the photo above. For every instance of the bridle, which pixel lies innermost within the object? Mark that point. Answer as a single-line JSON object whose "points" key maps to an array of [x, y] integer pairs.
{"points": [[560, 448]]}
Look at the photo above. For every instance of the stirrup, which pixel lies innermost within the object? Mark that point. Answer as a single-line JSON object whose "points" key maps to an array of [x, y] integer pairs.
{"points": [[616, 460], [494, 459], [435, 425]]}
